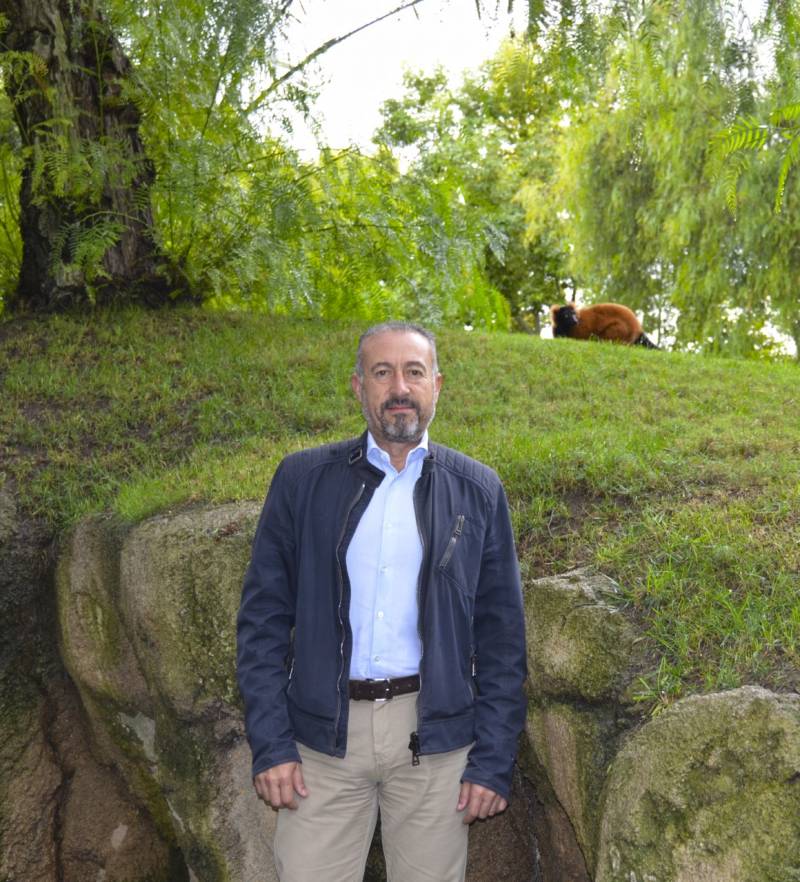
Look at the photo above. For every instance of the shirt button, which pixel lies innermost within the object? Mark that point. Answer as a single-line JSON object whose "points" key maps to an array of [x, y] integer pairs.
{"points": [[384, 568], [377, 658], [380, 614]]}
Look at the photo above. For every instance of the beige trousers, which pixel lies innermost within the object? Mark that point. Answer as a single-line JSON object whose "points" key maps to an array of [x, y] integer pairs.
{"points": [[327, 838]]}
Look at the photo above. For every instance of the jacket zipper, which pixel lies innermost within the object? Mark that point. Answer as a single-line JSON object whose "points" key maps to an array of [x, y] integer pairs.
{"points": [[413, 744], [353, 504], [291, 670], [451, 545], [473, 670]]}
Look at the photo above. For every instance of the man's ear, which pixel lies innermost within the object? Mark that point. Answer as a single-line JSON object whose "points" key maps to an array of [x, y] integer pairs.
{"points": [[355, 385], [438, 384]]}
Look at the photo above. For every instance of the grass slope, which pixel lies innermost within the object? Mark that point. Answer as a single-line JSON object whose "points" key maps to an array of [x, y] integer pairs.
{"points": [[676, 475]]}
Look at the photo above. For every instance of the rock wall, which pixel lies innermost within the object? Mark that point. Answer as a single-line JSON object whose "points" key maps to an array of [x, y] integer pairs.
{"points": [[707, 791], [64, 810], [148, 634], [142, 771], [583, 656]]}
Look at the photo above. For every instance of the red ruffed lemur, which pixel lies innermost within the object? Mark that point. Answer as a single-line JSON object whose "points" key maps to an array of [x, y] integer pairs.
{"points": [[603, 321]]}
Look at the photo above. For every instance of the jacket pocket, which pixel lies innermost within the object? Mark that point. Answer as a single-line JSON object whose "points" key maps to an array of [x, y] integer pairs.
{"points": [[296, 712], [458, 529]]}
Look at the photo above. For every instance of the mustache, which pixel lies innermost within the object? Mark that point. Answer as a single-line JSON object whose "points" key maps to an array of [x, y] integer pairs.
{"points": [[399, 402]]}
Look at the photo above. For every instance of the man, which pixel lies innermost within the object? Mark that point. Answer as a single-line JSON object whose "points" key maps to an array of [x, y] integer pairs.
{"points": [[381, 646]]}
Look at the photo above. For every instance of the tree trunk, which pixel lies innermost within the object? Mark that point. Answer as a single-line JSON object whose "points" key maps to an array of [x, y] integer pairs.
{"points": [[86, 221]]}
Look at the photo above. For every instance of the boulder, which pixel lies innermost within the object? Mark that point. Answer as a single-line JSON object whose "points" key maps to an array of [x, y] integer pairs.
{"points": [[580, 644], [147, 621], [64, 812], [708, 791], [573, 747], [30, 779], [583, 656]]}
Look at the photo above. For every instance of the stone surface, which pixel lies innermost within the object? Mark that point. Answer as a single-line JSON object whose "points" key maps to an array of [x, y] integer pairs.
{"points": [[148, 631], [66, 814], [709, 791], [95, 644], [574, 746], [62, 811], [580, 645], [30, 778], [504, 848], [98, 825], [181, 578], [583, 654]]}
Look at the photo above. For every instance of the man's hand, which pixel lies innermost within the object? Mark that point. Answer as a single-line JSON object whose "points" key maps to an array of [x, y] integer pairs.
{"points": [[479, 802], [278, 785]]}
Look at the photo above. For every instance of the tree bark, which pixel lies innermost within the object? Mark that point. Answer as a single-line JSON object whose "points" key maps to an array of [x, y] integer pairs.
{"points": [[86, 172]]}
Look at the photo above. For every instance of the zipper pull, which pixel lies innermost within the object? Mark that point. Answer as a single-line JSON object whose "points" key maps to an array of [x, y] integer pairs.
{"points": [[413, 746]]}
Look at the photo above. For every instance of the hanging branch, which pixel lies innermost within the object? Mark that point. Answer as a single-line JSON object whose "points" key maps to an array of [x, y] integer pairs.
{"points": [[320, 50]]}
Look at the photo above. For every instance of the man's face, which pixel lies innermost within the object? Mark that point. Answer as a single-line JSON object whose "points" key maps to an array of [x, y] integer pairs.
{"points": [[399, 389]]}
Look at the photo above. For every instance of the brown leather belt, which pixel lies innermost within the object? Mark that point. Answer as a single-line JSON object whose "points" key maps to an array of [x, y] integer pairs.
{"points": [[375, 690]]}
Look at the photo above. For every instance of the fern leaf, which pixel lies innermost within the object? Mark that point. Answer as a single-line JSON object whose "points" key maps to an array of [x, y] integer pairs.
{"points": [[786, 114], [730, 175], [747, 133]]}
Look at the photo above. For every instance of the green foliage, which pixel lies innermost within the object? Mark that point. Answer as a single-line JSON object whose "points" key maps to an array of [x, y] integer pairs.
{"points": [[478, 142], [776, 129], [749, 135], [398, 245], [641, 193], [10, 171], [247, 223], [240, 218], [219, 183], [590, 157], [76, 160]]}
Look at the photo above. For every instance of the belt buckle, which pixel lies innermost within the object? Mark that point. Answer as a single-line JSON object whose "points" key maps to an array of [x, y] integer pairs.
{"points": [[387, 688]]}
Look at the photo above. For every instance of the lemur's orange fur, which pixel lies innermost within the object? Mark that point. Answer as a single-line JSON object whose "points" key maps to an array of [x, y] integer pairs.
{"points": [[603, 321]]}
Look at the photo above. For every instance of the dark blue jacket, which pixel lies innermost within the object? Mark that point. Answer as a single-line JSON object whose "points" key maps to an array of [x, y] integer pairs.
{"points": [[294, 638]]}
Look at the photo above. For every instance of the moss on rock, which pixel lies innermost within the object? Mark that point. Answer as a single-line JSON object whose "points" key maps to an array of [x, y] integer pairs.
{"points": [[580, 645], [94, 642], [583, 654], [709, 790], [182, 578], [148, 625]]}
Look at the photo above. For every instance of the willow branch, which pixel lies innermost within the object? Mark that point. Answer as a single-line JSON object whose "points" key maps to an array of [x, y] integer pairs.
{"points": [[320, 50]]}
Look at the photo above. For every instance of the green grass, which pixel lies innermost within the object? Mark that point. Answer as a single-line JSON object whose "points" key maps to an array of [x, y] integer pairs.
{"points": [[676, 475]]}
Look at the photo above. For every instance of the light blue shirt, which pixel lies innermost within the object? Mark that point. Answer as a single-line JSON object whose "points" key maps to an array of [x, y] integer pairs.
{"points": [[383, 561]]}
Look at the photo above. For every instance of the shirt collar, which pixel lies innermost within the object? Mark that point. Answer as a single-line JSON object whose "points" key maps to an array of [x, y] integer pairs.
{"points": [[378, 456]]}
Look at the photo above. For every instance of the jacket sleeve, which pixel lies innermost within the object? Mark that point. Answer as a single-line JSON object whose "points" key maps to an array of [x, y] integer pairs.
{"points": [[501, 662], [264, 628]]}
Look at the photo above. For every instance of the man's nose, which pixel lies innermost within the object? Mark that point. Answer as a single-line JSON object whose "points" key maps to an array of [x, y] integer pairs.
{"points": [[399, 384]]}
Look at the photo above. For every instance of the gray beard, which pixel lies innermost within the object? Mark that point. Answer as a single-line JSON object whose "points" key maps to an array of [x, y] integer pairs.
{"points": [[402, 428]]}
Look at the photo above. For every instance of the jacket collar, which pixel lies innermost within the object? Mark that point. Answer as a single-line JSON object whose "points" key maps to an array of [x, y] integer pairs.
{"points": [[357, 454]]}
